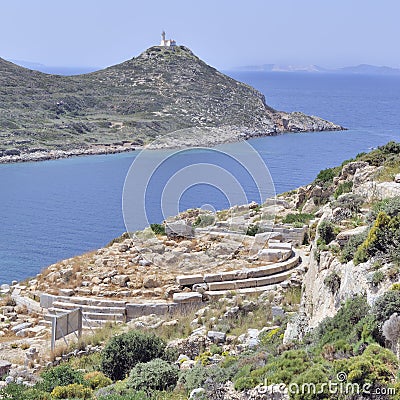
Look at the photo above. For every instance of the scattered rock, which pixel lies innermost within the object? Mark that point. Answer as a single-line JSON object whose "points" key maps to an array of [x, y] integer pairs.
{"points": [[150, 282], [197, 394], [179, 229], [5, 367], [20, 327], [120, 280], [217, 337]]}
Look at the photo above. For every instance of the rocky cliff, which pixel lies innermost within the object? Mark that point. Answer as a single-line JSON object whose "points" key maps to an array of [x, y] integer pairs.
{"points": [[163, 90], [352, 198]]}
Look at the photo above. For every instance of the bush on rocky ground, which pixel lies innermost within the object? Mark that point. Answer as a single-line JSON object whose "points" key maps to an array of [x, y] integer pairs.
{"points": [[124, 351], [156, 374]]}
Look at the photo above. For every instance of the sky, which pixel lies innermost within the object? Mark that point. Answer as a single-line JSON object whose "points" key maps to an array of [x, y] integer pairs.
{"points": [[225, 34]]}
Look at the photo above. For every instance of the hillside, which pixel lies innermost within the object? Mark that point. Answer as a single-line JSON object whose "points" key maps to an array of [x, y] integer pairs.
{"points": [[163, 90], [278, 312]]}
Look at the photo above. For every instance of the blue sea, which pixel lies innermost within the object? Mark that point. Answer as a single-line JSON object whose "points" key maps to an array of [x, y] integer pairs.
{"points": [[57, 209]]}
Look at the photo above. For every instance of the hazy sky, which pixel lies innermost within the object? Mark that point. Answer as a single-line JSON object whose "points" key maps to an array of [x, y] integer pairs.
{"points": [[223, 33]]}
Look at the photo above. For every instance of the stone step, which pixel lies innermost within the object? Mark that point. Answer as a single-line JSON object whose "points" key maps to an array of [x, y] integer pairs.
{"points": [[86, 308], [91, 301], [90, 320], [249, 283], [189, 280], [214, 294], [118, 317]]}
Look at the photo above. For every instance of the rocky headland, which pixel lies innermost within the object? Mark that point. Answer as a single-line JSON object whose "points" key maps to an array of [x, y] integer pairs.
{"points": [[162, 91]]}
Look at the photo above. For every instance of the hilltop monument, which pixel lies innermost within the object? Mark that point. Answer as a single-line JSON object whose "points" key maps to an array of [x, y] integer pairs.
{"points": [[166, 42]]}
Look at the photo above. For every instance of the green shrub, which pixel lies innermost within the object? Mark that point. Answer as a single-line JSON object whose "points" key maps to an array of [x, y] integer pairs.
{"points": [[345, 187], [252, 230], [62, 375], [316, 375], [332, 281], [118, 391], [302, 218], [97, 380], [119, 239], [350, 201], [390, 206], [325, 177], [193, 378], [73, 391], [375, 158], [156, 374], [35, 394], [284, 368], [14, 391], [215, 349], [376, 366], [391, 147], [386, 305], [124, 351], [246, 382], [342, 325], [350, 248], [214, 375], [158, 229], [382, 155], [377, 278], [382, 240], [128, 396], [204, 220], [326, 231]]}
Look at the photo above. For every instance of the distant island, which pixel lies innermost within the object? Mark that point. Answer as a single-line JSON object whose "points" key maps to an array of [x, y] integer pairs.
{"points": [[166, 89], [362, 69]]}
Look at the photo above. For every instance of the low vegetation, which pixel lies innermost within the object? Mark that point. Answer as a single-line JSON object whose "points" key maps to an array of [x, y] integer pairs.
{"points": [[298, 219]]}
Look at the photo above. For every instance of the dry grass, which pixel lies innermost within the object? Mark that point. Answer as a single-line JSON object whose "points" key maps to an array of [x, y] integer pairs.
{"points": [[182, 329], [97, 337], [59, 351]]}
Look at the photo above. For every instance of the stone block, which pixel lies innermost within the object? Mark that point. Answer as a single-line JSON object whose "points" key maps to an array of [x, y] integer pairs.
{"points": [[230, 285], [274, 255], [246, 283], [212, 278], [188, 280], [280, 245], [47, 300], [187, 297]]}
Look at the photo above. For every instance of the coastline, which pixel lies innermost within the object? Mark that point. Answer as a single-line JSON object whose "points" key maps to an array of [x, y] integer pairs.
{"points": [[185, 138], [62, 154]]}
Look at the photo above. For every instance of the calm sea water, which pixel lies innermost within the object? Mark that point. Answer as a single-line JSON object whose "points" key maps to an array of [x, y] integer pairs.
{"points": [[57, 209]]}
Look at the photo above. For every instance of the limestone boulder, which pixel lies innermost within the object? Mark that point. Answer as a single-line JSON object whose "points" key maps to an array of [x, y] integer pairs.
{"points": [[179, 228], [150, 282], [350, 169], [120, 280], [343, 237]]}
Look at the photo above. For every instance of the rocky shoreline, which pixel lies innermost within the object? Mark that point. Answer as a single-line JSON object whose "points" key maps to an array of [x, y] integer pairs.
{"points": [[190, 137], [46, 155]]}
